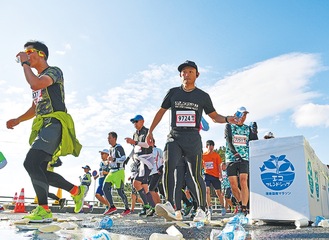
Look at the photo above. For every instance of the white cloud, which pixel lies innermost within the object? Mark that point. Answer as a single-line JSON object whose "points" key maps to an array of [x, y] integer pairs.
{"points": [[270, 87], [311, 115]]}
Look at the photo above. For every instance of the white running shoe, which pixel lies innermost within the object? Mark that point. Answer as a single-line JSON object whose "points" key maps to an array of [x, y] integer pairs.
{"points": [[200, 216], [178, 215], [166, 211]]}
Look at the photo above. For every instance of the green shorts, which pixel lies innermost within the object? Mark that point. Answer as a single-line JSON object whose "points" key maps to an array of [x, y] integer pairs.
{"points": [[116, 178]]}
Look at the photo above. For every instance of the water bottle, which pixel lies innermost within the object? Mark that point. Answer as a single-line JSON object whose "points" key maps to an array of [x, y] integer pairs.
{"points": [[243, 220], [106, 223], [239, 114], [318, 219], [239, 233], [102, 235], [3, 161], [228, 232], [198, 225]]}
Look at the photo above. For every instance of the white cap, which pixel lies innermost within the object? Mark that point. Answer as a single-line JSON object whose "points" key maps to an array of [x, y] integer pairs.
{"points": [[242, 109], [269, 135]]}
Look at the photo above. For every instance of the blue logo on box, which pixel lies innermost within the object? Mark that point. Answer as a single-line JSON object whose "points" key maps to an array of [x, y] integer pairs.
{"points": [[277, 173]]}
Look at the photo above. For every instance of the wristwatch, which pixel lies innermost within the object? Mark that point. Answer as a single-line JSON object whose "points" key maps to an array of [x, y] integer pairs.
{"points": [[26, 62]]}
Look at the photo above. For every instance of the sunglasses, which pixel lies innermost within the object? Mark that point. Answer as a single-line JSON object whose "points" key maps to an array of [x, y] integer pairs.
{"points": [[134, 122], [32, 50]]}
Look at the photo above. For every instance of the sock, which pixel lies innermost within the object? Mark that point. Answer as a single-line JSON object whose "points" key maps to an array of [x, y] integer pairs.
{"points": [[45, 207], [150, 199], [143, 196], [74, 191]]}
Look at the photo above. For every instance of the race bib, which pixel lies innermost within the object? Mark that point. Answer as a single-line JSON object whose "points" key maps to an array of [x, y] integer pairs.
{"points": [[240, 140], [209, 165], [185, 119], [37, 96]]}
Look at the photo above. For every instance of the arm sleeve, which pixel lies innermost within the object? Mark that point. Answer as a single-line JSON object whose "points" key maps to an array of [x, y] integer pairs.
{"points": [[228, 137], [120, 155], [143, 144]]}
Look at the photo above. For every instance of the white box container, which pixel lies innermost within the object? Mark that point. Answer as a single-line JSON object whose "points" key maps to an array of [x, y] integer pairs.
{"points": [[287, 180]]}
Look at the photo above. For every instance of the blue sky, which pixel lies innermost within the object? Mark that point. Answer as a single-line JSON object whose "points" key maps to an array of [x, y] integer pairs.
{"points": [[119, 59]]}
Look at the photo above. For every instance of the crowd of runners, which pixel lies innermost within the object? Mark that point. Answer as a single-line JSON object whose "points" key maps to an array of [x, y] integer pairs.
{"points": [[180, 173]]}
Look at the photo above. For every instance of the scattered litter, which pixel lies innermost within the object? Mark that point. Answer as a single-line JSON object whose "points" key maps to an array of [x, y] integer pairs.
{"points": [[160, 236], [49, 228], [301, 223], [173, 231], [182, 225]]}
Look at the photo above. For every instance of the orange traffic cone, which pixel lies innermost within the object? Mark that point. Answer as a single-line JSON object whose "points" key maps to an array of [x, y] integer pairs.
{"points": [[14, 199], [20, 204]]}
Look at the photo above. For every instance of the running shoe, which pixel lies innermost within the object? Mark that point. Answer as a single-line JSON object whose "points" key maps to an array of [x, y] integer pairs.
{"points": [[237, 209], [193, 212], [209, 213], [125, 212], [178, 215], [78, 199], [223, 211], [200, 216], [39, 214], [166, 211], [144, 210], [110, 211], [150, 212], [186, 210], [61, 203]]}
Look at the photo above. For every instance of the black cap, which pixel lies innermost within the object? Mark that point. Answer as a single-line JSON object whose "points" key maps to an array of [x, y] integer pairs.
{"points": [[187, 63], [86, 167]]}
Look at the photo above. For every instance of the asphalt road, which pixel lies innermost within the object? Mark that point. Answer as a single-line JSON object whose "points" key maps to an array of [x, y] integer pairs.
{"points": [[135, 227]]}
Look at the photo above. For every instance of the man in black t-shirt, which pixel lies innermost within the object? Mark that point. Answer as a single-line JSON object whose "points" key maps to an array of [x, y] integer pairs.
{"points": [[187, 102]]}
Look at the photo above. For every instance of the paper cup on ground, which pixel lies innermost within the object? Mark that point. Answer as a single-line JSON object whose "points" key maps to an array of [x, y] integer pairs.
{"points": [[301, 223], [173, 231], [161, 236]]}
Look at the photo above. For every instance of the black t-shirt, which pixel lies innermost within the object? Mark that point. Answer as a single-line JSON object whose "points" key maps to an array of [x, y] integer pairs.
{"points": [[187, 107]]}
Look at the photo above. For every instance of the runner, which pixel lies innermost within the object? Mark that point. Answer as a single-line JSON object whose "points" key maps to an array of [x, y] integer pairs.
{"points": [[155, 176], [116, 176], [213, 172], [103, 171], [187, 103], [52, 129], [143, 155], [237, 157]]}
